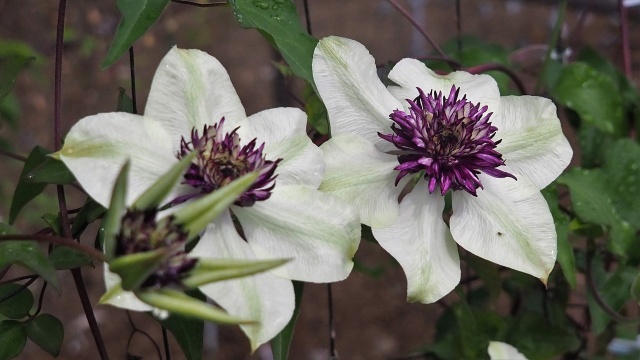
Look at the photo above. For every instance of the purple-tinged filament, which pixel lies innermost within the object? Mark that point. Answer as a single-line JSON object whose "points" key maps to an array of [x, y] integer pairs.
{"points": [[450, 139], [220, 159]]}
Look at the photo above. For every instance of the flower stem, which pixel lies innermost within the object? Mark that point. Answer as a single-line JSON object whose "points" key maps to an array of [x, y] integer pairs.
{"points": [[196, 4], [555, 37], [503, 69], [624, 39], [88, 311], [333, 354], [58, 241], [415, 24]]}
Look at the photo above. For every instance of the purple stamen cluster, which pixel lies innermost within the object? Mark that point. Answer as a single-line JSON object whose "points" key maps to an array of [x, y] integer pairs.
{"points": [[450, 139], [140, 232], [220, 159]]}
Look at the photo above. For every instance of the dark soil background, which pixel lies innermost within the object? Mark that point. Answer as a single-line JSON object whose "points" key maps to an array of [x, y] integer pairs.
{"points": [[372, 318]]}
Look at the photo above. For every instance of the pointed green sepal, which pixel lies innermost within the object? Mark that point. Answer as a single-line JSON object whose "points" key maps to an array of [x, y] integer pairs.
{"points": [[113, 218], [210, 270], [154, 195], [134, 269], [195, 216], [178, 302]]}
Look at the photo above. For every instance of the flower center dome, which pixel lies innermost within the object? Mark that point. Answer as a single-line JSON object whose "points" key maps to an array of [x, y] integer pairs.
{"points": [[220, 159], [449, 139]]}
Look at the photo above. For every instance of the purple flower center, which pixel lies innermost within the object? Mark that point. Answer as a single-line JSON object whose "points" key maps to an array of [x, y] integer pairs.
{"points": [[140, 232], [449, 139], [220, 159]]}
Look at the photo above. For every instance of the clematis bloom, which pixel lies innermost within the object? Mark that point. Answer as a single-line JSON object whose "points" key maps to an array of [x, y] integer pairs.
{"points": [[396, 151], [193, 107]]}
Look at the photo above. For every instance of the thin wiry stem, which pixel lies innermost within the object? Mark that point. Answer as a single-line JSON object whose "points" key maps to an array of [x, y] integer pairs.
{"points": [[40, 300], [333, 354], [135, 330], [624, 39], [197, 4], [165, 340], [132, 73], [58, 241], [306, 16], [459, 25], [19, 278], [503, 69], [415, 24], [555, 38], [18, 290], [12, 155], [591, 285], [88, 311], [57, 90]]}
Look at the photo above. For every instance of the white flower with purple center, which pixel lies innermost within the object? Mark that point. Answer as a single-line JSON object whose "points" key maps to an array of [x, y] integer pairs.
{"points": [[395, 152], [193, 107]]}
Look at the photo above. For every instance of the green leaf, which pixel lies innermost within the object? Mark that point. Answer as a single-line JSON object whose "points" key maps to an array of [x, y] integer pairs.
{"points": [[592, 140], [278, 21], [622, 166], [29, 255], [113, 218], [50, 171], [54, 223], [593, 96], [9, 68], [125, 103], [178, 302], [188, 331], [281, 342], [196, 215], [89, 212], [137, 17], [488, 273], [64, 258], [134, 269], [589, 195], [537, 339], [316, 111], [156, 193], [25, 192], [635, 288], [209, 270], [17, 301], [615, 292], [13, 337], [566, 257], [47, 332]]}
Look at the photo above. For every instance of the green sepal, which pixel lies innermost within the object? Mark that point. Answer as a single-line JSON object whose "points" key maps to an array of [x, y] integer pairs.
{"points": [[134, 269], [113, 218], [179, 303], [210, 270], [154, 195], [195, 216]]}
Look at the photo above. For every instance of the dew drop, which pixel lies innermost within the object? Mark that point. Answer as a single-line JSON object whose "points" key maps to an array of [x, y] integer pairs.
{"points": [[275, 7], [262, 5]]}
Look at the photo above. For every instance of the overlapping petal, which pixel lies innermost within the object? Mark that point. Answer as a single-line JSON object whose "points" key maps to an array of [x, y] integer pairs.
{"points": [[421, 242], [411, 73], [115, 296], [508, 223], [265, 298], [532, 140], [320, 239], [97, 147], [283, 130], [363, 176], [192, 89], [357, 102]]}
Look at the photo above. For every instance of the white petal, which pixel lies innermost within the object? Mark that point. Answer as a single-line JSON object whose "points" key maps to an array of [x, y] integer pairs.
{"points": [[356, 100], [120, 298], [421, 242], [533, 144], [411, 73], [97, 147], [318, 232], [190, 89], [263, 297], [508, 223], [283, 130], [503, 351], [358, 173]]}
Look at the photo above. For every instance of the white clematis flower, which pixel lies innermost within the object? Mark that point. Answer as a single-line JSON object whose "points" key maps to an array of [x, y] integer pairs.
{"points": [[445, 132], [193, 106], [503, 351]]}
